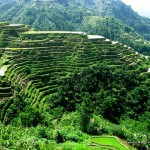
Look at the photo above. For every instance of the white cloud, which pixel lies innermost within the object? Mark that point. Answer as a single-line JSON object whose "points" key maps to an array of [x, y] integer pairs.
{"points": [[140, 6]]}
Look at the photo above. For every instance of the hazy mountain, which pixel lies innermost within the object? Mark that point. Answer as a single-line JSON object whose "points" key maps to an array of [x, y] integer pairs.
{"points": [[73, 14]]}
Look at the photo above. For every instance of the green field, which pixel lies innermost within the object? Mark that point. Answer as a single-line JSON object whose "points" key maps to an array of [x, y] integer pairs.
{"points": [[109, 142]]}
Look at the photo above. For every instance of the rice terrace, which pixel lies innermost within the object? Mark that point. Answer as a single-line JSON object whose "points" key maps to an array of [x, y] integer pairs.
{"points": [[66, 90]]}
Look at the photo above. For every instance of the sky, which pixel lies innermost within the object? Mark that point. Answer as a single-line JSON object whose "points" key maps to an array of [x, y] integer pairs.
{"points": [[142, 7]]}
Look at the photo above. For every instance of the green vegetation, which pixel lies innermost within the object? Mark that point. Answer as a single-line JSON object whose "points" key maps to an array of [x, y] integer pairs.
{"points": [[109, 142], [112, 19], [113, 29], [61, 88]]}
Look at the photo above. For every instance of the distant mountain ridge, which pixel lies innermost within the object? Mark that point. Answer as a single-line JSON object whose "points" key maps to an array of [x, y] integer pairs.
{"points": [[72, 15]]}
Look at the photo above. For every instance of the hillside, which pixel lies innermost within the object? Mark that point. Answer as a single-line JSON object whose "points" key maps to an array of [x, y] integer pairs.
{"points": [[58, 86], [72, 15]]}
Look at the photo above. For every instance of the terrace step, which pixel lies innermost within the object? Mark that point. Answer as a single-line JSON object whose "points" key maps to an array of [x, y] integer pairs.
{"points": [[38, 60]]}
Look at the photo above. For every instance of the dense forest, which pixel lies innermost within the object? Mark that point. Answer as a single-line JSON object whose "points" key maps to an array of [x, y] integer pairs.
{"points": [[112, 19]]}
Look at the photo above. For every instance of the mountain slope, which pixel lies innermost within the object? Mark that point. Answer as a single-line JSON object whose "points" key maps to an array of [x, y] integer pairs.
{"points": [[60, 86], [41, 62], [71, 15], [59, 52]]}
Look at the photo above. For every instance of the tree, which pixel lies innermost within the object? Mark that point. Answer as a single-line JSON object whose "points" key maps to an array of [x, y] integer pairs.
{"points": [[30, 117], [85, 114]]}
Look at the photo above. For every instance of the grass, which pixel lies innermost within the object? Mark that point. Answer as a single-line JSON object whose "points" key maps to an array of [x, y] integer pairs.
{"points": [[4, 23], [15, 49], [16, 25], [109, 141], [78, 146], [48, 32]]}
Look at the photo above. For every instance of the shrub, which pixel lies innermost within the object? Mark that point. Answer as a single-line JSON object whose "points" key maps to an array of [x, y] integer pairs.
{"points": [[68, 134], [41, 132], [118, 131], [30, 117], [96, 129]]}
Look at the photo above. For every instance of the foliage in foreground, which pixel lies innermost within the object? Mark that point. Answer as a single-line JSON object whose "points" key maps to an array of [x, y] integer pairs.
{"points": [[118, 95], [65, 133]]}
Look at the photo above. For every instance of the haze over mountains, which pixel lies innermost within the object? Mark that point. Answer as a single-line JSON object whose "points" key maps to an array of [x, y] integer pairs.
{"points": [[110, 18]]}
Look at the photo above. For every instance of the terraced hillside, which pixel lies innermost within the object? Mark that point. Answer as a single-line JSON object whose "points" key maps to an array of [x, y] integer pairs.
{"points": [[64, 85], [34, 62]]}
